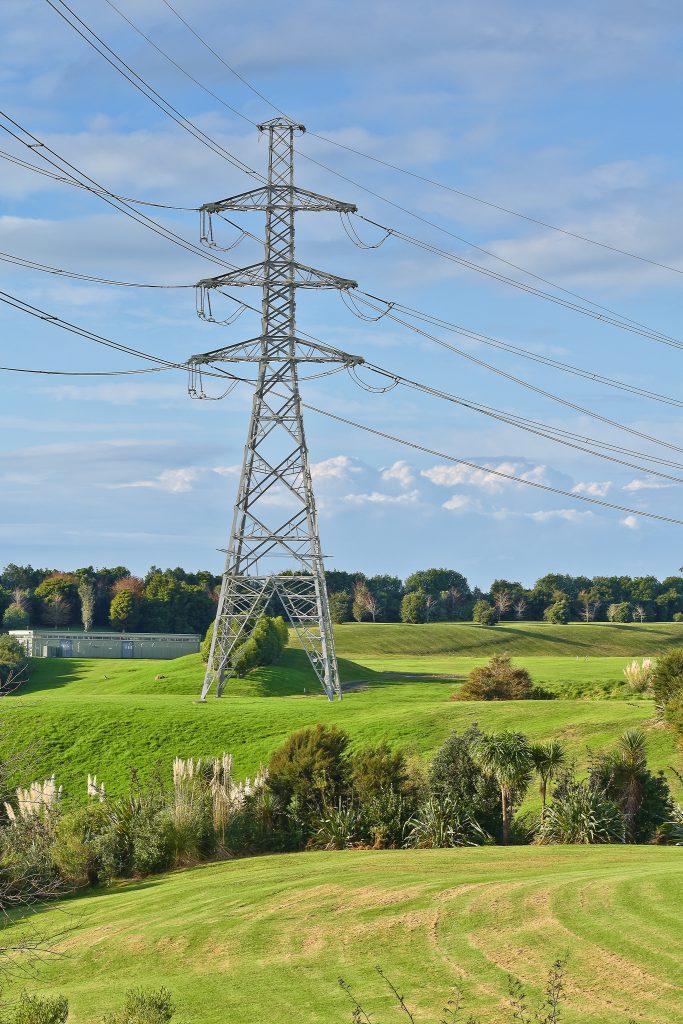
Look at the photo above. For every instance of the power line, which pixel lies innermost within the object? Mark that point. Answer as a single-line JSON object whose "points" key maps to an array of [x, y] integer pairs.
{"points": [[527, 354], [404, 170], [615, 319], [27, 165], [60, 272], [116, 202], [524, 383], [496, 206], [218, 57], [555, 434], [404, 236], [179, 67], [493, 472], [147, 90], [86, 373]]}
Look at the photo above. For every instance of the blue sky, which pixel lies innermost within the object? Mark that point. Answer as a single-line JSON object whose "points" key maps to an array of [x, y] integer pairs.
{"points": [[568, 113]]}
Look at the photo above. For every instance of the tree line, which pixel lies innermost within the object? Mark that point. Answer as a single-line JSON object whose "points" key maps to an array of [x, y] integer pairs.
{"points": [[433, 595], [174, 600], [163, 601]]}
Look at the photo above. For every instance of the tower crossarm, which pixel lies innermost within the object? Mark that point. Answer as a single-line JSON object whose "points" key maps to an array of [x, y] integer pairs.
{"points": [[289, 275], [250, 352], [279, 198]]}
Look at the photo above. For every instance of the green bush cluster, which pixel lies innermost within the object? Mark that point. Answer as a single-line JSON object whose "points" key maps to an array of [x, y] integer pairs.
{"points": [[142, 1006], [499, 679], [319, 793], [265, 645]]}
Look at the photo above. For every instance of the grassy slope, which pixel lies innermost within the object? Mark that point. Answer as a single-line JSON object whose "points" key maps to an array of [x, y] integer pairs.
{"points": [[266, 938], [106, 716]]}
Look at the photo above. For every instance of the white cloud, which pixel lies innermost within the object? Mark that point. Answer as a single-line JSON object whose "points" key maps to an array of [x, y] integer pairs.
{"points": [[647, 484], [226, 470], [400, 471], [378, 498], [457, 503], [571, 515], [337, 468], [175, 481], [630, 521], [487, 477], [595, 488]]}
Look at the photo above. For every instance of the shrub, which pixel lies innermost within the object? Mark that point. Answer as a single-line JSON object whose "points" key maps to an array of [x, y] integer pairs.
{"points": [[558, 612], [624, 777], [377, 769], [484, 613], [454, 774], [414, 607], [384, 818], [144, 1006], [15, 617], [667, 678], [582, 814], [37, 1010], [500, 680], [639, 675], [441, 823], [339, 828], [311, 765], [205, 646]]}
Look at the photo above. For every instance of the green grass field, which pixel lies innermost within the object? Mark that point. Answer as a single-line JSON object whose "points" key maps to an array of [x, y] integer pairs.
{"points": [[266, 939], [105, 717]]}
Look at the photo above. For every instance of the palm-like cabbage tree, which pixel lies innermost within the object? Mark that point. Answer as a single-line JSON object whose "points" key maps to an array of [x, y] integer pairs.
{"points": [[629, 766], [548, 758], [507, 756]]}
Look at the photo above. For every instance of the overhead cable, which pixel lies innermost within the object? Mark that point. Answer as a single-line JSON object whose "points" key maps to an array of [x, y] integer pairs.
{"points": [[136, 80], [614, 318], [7, 257], [518, 380], [406, 171], [416, 446]]}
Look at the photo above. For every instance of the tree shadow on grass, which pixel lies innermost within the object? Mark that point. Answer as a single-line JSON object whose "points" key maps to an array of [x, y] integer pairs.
{"points": [[53, 673]]}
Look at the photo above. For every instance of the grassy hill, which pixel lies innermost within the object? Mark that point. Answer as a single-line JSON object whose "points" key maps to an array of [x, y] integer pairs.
{"points": [[104, 717], [266, 939]]}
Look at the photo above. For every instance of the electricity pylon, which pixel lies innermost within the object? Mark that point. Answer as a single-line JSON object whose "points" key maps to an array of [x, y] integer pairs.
{"points": [[275, 515]]}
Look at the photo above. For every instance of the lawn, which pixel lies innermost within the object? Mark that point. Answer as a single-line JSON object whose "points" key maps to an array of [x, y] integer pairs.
{"points": [[266, 939], [106, 717]]}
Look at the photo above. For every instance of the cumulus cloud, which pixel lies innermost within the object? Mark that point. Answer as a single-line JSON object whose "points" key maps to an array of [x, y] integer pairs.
{"points": [[400, 471], [490, 477], [571, 515], [647, 484], [631, 522], [339, 467], [595, 488], [379, 498], [175, 481], [457, 503]]}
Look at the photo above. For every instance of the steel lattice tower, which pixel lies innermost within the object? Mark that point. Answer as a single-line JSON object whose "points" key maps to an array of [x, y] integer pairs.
{"points": [[275, 470]]}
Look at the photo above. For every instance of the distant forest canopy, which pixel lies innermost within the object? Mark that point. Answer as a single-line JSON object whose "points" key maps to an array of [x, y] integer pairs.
{"points": [[173, 600]]}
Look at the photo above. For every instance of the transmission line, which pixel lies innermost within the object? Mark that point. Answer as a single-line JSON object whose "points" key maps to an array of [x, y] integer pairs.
{"points": [[27, 165], [555, 434], [435, 250], [517, 350], [147, 90], [487, 470], [116, 202], [404, 170], [615, 319], [19, 261], [520, 380]]}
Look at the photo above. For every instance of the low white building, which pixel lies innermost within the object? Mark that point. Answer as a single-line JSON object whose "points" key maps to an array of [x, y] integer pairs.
{"points": [[67, 643]]}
